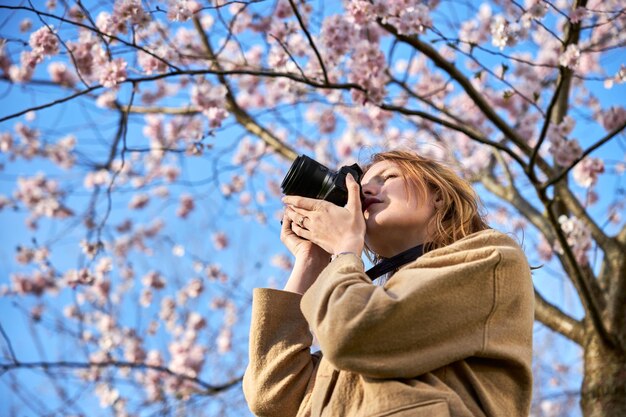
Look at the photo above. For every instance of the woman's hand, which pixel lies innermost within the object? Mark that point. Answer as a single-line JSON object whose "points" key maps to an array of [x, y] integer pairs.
{"points": [[300, 248], [332, 228]]}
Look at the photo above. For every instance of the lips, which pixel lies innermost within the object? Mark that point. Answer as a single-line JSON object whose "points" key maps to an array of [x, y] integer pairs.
{"points": [[369, 201]]}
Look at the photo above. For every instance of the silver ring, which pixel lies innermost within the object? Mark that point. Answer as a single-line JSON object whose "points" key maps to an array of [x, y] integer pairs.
{"points": [[301, 222]]}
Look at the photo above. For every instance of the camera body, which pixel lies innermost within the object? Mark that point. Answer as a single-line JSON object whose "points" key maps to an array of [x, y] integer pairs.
{"points": [[308, 178]]}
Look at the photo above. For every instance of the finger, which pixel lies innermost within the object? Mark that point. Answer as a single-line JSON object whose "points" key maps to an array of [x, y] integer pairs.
{"points": [[292, 215], [301, 212], [301, 232], [354, 194], [302, 202], [285, 224]]}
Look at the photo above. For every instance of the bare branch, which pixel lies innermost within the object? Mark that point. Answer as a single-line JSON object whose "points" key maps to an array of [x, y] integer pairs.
{"points": [[557, 320], [511, 194], [51, 104], [477, 136], [310, 38], [9, 344], [209, 388], [546, 125]]}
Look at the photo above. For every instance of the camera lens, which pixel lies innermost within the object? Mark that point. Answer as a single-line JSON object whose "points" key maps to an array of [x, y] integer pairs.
{"points": [[307, 178]]}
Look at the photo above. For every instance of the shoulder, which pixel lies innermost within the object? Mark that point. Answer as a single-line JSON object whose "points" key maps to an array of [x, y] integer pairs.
{"points": [[487, 247]]}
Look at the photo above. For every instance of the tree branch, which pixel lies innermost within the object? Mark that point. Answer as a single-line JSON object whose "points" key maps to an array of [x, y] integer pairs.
{"points": [[477, 136], [240, 114], [209, 388], [555, 319], [589, 150], [467, 86], [510, 194], [310, 38]]}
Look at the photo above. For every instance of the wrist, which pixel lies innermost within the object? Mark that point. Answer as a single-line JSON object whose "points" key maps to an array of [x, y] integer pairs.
{"points": [[350, 246]]}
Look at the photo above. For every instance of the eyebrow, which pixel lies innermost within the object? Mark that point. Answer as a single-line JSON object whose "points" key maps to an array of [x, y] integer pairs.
{"points": [[381, 173]]}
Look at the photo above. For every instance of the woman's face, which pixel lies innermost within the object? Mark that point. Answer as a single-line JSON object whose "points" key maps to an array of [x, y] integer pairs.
{"points": [[396, 216]]}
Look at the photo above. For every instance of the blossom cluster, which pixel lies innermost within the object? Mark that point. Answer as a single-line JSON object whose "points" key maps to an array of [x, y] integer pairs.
{"points": [[578, 237]]}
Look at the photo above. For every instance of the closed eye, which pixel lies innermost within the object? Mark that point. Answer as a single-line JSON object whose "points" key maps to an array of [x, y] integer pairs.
{"points": [[389, 176]]}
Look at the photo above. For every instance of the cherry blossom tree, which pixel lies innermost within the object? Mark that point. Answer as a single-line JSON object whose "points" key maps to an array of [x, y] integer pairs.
{"points": [[142, 145]]}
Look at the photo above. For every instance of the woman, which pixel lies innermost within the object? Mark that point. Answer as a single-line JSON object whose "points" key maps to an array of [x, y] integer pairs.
{"points": [[448, 334]]}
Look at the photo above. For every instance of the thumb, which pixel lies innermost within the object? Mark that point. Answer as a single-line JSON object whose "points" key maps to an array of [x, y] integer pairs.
{"points": [[354, 194]]}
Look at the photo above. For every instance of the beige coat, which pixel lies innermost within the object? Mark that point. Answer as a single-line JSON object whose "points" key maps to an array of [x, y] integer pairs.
{"points": [[449, 334]]}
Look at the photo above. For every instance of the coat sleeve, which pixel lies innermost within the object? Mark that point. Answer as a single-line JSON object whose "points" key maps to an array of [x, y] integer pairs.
{"points": [[434, 312], [281, 369]]}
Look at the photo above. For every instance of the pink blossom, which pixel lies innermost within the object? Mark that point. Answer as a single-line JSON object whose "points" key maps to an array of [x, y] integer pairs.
{"points": [[74, 277], [578, 14], [86, 54], [327, 122], [282, 261], [536, 8], [6, 142], [216, 116], [26, 25], [283, 9], [110, 25], [42, 197], [195, 321], [182, 10], [586, 172], [61, 153], [139, 201], [361, 11], [168, 309], [224, 340], [44, 41], [90, 249], [36, 285], [220, 240], [145, 299], [578, 237], [96, 178], [5, 60], [500, 33], [61, 75], [113, 73], [613, 118], [544, 250], [570, 57], [367, 68], [187, 358], [337, 36], [204, 95], [29, 61], [411, 20], [153, 279], [131, 11], [194, 288], [133, 351], [107, 99], [564, 151], [186, 206], [215, 273], [151, 64]]}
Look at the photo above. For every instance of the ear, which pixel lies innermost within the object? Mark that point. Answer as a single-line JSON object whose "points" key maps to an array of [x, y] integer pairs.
{"points": [[437, 200]]}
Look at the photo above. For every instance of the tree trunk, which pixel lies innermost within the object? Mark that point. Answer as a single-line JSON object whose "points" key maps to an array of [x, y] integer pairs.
{"points": [[604, 383]]}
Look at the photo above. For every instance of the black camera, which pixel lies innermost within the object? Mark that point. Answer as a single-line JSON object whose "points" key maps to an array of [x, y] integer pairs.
{"points": [[308, 178]]}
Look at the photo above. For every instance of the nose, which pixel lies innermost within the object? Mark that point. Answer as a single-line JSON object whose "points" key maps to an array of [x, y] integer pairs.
{"points": [[369, 189]]}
